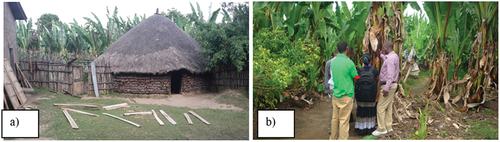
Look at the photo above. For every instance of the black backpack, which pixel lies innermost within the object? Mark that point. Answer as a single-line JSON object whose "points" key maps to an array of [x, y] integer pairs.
{"points": [[366, 86]]}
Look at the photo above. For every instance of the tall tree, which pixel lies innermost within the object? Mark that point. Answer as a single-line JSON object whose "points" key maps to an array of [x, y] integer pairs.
{"points": [[46, 20], [180, 20], [225, 45]]}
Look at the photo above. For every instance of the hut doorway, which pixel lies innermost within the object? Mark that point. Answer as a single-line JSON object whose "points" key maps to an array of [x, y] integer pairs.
{"points": [[176, 82]]}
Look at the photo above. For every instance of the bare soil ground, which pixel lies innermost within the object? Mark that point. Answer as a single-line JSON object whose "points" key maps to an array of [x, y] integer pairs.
{"points": [[311, 121], [190, 100]]}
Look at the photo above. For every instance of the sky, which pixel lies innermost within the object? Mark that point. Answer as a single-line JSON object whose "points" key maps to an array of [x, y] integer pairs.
{"points": [[69, 10], [409, 10]]}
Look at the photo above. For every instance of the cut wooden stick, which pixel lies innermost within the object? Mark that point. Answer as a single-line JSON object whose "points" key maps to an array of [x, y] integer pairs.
{"points": [[188, 119], [122, 104], [111, 107], [116, 107], [168, 117], [199, 117], [157, 118], [138, 113], [85, 105], [124, 120], [82, 112], [71, 121]]}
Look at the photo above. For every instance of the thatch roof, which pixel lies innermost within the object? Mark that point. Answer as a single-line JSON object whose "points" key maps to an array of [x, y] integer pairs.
{"points": [[154, 46]]}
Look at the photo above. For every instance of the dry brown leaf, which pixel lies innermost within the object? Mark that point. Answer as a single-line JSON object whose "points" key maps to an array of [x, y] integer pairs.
{"points": [[482, 62], [446, 94], [366, 42], [373, 38]]}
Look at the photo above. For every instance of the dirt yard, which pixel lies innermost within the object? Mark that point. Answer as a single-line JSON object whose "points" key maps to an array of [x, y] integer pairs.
{"points": [[311, 121], [190, 100]]}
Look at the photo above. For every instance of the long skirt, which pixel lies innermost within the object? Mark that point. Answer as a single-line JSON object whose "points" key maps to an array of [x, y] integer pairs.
{"points": [[366, 116]]}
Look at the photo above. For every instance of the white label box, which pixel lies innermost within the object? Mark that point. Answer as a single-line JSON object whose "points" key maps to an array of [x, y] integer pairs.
{"points": [[20, 123], [276, 124]]}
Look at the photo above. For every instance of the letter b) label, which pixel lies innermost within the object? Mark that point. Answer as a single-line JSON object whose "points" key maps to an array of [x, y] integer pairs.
{"points": [[275, 123]]}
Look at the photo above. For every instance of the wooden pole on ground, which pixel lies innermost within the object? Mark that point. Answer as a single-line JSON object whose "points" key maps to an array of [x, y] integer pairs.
{"points": [[71, 121], [111, 107], [82, 112], [168, 117], [157, 118], [188, 119], [138, 113], [199, 117], [85, 105], [124, 120]]}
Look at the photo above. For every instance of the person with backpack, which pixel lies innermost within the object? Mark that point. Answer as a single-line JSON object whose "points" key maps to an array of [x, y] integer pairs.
{"points": [[365, 93]]}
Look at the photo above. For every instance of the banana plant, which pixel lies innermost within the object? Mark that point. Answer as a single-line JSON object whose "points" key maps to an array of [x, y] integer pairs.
{"points": [[96, 35], [196, 16], [441, 14], [55, 39], [484, 54], [24, 35], [379, 30]]}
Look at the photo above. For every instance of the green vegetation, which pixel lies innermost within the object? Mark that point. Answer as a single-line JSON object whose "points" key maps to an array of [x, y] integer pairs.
{"points": [[225, 43], [483, 130], [458, 38], [293, 40], [370, 137], [421, 132], [232, 98], [225, 124], [444, 133], [488, 111]]}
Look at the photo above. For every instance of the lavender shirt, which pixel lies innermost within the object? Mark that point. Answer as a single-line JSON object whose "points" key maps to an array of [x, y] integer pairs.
{"points": [[390, 69]]}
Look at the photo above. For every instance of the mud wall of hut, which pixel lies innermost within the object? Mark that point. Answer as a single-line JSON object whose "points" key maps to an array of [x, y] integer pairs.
{"points": [[9, 28], [157, 84], [141, 84], [194, 82]]}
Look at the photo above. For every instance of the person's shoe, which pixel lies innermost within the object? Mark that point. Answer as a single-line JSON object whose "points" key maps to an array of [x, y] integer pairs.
{"points": [[377, 133], [390, 130]]}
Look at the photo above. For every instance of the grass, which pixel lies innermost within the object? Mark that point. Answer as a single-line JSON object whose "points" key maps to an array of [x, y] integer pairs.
{"points": [[370, 137], [440, 107], [443, 133], [233, 98], [488, 111], [225, 124], [482, 130], [412, 82]]}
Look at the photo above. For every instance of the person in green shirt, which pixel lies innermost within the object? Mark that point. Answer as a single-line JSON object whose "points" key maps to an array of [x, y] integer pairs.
{"points": [[343, 92]]}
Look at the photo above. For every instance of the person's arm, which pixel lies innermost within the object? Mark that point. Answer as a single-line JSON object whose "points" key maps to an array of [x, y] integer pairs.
{"points": [[353, 71], [327, 77], [383, 57]]}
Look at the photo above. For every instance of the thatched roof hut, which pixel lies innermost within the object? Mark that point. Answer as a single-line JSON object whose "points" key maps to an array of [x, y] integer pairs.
{"points": [[155, 46], [155, 57]]}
